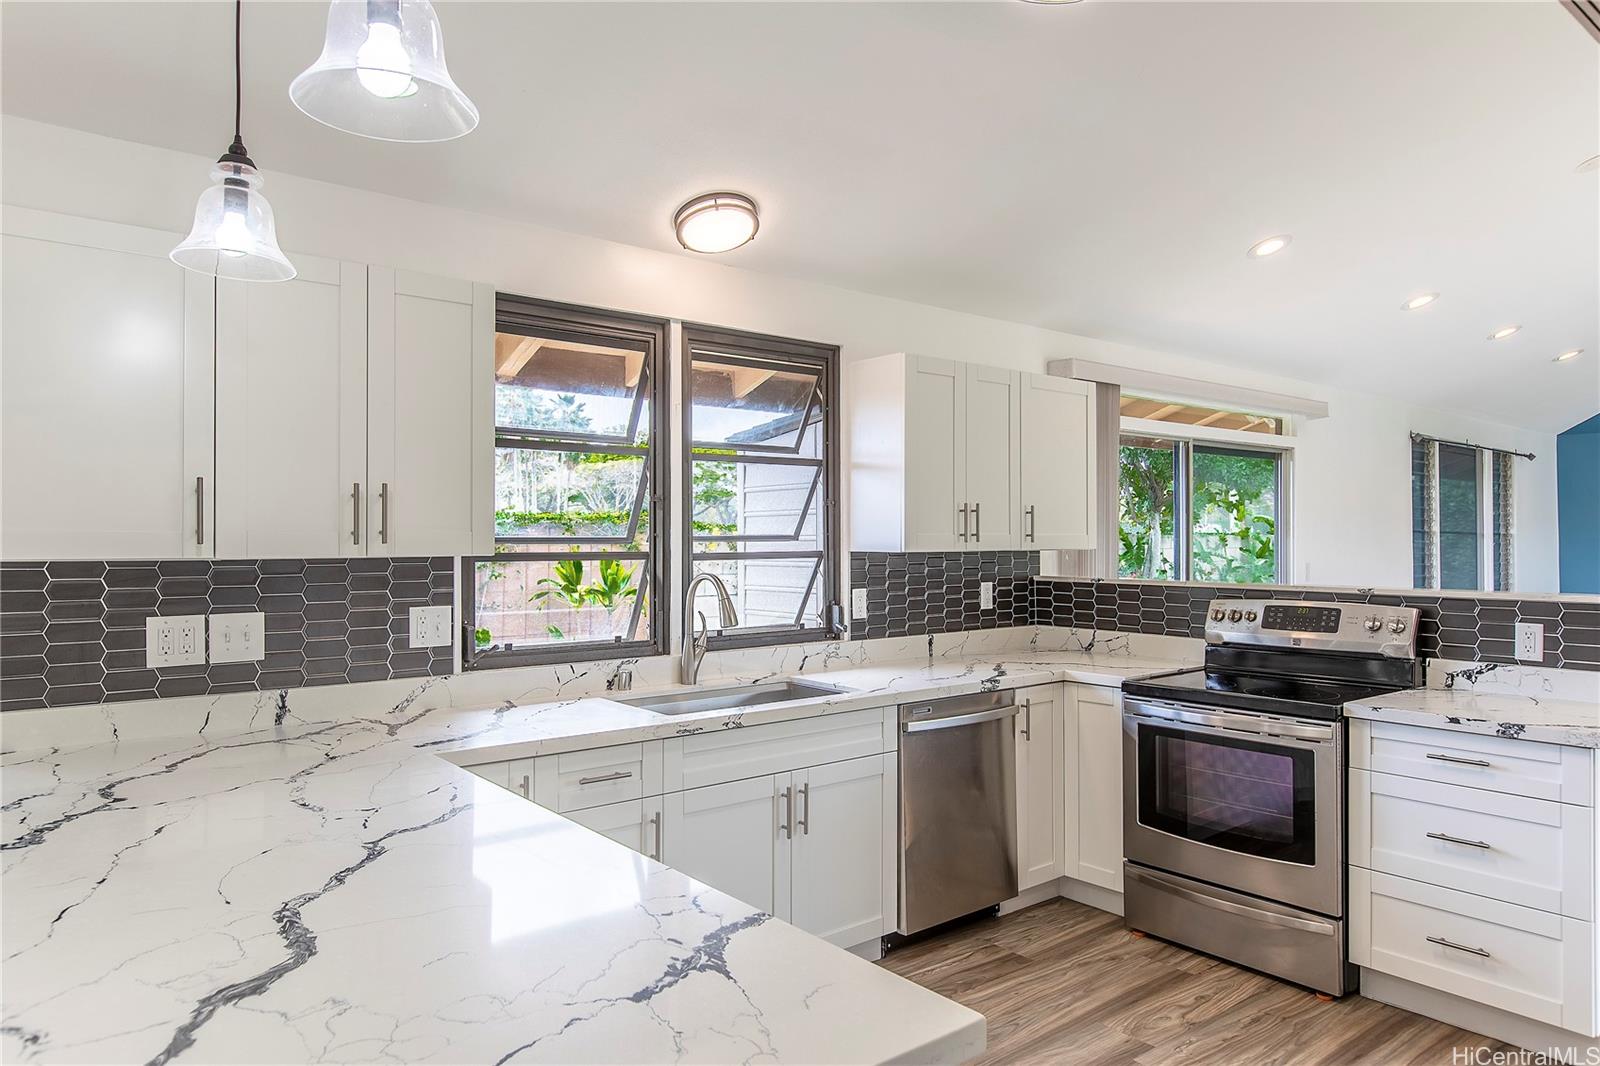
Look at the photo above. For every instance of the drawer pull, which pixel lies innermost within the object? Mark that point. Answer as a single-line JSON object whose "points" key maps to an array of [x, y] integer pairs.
{"points": [[1459, 759], [1448, 839], [523, 788], [618, 776], [1453, 946]]}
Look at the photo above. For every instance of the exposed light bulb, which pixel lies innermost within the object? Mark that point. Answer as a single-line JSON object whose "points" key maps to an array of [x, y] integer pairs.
{"points": [[233, 234], [382, 65]]}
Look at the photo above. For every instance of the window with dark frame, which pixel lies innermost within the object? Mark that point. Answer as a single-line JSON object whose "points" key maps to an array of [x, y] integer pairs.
{"points": [[1463, 509], [760, 422], [580, 474]]}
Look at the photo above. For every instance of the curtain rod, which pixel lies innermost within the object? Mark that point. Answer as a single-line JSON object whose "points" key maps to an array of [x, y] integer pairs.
{"points": [[1475, 447]]}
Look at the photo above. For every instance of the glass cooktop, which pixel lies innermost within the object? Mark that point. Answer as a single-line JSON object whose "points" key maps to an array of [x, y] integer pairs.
{"points": [[1267, 693]]}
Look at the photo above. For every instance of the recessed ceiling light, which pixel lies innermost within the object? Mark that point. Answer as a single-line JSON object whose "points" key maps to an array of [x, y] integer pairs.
{"points": [[1270, 246], [1419, 300], [1503, 332], [1569, 355], [1590, 165], [716, 222]]}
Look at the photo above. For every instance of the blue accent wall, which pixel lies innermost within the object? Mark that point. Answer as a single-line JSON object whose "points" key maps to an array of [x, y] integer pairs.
{"points": [[1578, 506]]}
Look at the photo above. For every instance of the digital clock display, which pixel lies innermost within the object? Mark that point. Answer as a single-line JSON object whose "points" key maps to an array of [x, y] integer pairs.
{"points": [[1300, 618]]}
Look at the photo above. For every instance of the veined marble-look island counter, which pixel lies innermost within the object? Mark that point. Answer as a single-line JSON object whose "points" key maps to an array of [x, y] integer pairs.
{"points": [[333, 891]]}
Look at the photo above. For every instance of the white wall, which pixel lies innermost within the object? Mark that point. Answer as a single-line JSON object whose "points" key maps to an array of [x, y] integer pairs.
{"points": [[1353, 517]]}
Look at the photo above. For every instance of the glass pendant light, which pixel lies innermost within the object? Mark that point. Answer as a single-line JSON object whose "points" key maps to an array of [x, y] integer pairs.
{"points": [[233, 234], [382, 74]]}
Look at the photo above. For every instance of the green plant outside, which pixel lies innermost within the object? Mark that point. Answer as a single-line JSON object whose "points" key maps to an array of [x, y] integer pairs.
{"points": [[1233, 539]]}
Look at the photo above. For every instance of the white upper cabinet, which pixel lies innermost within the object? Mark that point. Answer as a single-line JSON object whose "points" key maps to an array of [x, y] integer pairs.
{"points": [[1057, 460], [292, 413], [948, 456], [105, 393], [430, 420]]}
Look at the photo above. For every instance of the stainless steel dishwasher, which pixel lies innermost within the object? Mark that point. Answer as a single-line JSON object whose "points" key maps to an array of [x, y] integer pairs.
{"points": [[958, 807]]}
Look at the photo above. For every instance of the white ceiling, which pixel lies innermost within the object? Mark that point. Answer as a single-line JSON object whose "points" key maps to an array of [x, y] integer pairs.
{"points": [[1098, 168]]}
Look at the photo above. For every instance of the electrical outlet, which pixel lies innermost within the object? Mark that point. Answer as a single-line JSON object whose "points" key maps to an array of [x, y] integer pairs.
{"points": [[986, 595], [238, 638], [858, 604], [430, 627], [175, 640], [1530, 642]]}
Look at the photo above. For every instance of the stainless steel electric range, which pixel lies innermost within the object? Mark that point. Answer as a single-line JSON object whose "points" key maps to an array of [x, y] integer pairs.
{"points": [[1234, 782]]}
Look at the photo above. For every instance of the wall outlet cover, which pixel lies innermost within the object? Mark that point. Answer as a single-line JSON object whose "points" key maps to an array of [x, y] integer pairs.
{"points": [[430, 627], [238, 638], [175, 640], [1530, 642], [986, 595], [858, 604]]}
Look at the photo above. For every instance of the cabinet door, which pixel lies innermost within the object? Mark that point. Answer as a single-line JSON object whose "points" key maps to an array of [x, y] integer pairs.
{"points": [[936, 447], [734, 837], [992, 442], [430, 416], [635, 824], [1100, 787], [105, 393], [1057, 462], [497, 773], [291, 413], [1039, 786], [838, 847]]}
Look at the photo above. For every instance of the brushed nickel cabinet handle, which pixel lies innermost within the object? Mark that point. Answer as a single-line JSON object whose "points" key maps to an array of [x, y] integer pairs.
{"points": [[1458, 759], [786, 820], [599, 778], [523, 788], [383, 512], [1027, 720], [805, 799], [1453, 946], [1448, 839], [655, 825], [355, 512], [199, 511], [1032, 521], [977, 522], [962, 512]]}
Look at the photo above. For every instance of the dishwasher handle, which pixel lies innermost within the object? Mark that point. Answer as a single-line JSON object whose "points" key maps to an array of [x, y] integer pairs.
{"points": [[1008, 711]]}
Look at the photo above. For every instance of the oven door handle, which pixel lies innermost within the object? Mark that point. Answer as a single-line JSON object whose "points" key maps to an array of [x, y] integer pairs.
{"points": [[1253, 913], [1194, 718]]}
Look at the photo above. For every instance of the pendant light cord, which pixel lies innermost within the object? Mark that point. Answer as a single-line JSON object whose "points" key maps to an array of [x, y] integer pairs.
{"points": [[238, 72]]}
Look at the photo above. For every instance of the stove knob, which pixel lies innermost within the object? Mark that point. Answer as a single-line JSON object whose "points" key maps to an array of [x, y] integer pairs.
{"points": [[1397, 625], [1234, 615], [1218, 615], [1249, 616], [1373, 624]]}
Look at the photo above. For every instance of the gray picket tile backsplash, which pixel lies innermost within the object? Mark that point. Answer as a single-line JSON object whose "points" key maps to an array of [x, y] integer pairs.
{"points": [[74, 632]]}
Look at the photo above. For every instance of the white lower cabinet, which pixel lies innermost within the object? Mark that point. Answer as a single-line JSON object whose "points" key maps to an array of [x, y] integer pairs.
{"points": [[1092, 768], [836, 853], [635, 824], [731, 836], [1041, 793]]}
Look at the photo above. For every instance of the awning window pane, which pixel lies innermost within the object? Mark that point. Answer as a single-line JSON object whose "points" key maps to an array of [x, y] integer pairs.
{"points": [[557, 384], [544, 493], [750, 404]]}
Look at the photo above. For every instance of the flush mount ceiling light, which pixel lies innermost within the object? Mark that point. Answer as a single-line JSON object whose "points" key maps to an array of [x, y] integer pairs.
{"points": [[233, 235], [716, 222], [1569, 355], [1503, 332], [1270, 246], [1420, 300], [382, 75]]}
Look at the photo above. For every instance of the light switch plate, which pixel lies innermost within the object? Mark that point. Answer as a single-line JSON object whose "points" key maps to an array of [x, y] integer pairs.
{"points": [[238, 638], [175, 640], [430, 627], [986, 595], [858, 604], [1530, 642]]}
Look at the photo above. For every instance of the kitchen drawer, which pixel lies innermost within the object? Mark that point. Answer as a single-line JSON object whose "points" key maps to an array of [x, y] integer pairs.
{"points": [[735, 754], [576, 780], [1519, 767], [1530, 852], [1532, 963]]}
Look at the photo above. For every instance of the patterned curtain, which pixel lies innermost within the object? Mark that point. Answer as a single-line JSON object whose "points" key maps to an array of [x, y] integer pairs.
{"points": [[1504, 520]]}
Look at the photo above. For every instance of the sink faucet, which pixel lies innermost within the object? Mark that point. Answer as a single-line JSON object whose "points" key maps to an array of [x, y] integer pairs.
{"points": [[694, 640]]}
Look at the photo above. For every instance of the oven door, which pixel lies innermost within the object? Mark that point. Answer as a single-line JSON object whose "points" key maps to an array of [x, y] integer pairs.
{"points": [[1245, 801]]}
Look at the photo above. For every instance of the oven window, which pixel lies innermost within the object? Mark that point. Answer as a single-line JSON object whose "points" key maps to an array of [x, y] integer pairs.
{"points": [[1246, 796]]}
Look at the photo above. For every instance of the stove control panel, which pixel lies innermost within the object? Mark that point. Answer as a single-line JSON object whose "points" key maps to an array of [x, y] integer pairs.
{"points": [[1372, 629]]}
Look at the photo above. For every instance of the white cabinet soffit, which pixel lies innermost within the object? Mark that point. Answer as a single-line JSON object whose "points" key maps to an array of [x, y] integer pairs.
{"points": [[1146, 382]]}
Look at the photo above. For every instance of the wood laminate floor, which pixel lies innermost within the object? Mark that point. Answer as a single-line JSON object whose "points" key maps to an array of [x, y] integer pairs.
{"points": [[1064, 983]]}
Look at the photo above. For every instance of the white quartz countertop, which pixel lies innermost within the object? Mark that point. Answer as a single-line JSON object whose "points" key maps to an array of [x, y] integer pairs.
{"points": [[331, 891], [1491, 712]]}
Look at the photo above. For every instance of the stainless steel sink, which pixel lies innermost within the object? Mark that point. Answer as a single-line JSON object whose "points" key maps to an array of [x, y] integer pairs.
{"points": [[731, 698]]}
